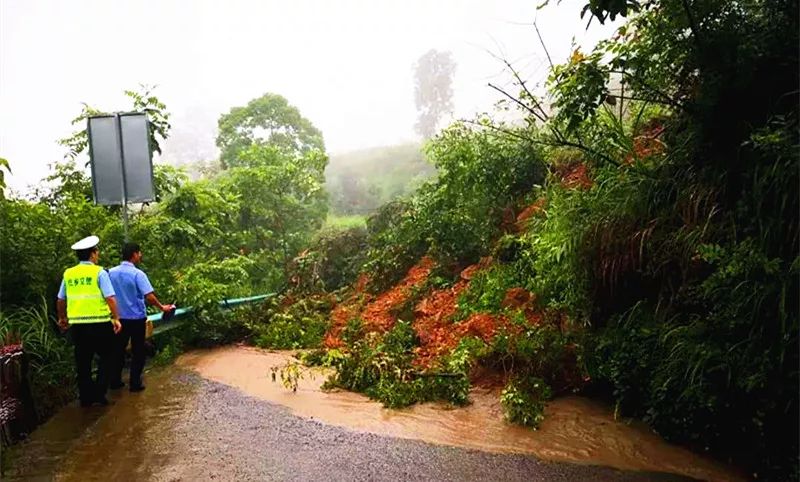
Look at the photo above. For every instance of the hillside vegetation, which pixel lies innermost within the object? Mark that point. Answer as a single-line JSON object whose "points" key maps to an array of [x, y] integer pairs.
{"points": [[638, 246]]}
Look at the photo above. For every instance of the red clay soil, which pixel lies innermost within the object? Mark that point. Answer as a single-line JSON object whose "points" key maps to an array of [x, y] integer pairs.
{"points": [[439, 336], [433, 315], [507, 217], [522, 299], [434, 325], [517, 298], [339, 318], [378, 315], [575, 176], [470, 271], [648, 143], [344, 312], [534, 209]]}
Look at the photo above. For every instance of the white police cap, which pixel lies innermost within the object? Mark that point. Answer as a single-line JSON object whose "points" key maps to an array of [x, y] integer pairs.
{"points": [[86, 243]]}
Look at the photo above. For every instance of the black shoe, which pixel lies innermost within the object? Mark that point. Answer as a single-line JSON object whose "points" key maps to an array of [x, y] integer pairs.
{"points": [[116, 385], [137, 388]]}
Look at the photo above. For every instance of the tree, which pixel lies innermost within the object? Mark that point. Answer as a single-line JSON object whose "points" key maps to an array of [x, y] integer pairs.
{"points": [[143, 101], [266, 121], [282, 195], [433, 93]]}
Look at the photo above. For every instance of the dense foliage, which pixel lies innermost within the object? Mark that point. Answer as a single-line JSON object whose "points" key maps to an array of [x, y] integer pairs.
{"points": [[639, 241], [230, 235], [381, 366], [51, 364], [658, 260], [456, 215]]}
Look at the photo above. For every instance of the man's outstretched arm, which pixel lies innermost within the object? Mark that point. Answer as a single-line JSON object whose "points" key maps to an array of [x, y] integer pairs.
{"points": [[153, 301]]}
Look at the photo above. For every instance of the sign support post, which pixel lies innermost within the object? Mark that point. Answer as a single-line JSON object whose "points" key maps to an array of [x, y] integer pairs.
{"points": [[124, 192]]}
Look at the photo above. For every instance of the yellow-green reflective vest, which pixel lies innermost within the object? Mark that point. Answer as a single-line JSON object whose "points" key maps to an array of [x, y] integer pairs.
{"points": [[85, 301]]}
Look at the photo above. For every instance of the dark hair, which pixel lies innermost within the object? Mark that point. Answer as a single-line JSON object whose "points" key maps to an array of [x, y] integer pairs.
{"points": [[85, 254], [128, 250]]}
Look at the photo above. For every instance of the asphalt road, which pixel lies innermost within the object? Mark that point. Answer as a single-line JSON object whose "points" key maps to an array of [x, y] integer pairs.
{"points": [[184, 427]]}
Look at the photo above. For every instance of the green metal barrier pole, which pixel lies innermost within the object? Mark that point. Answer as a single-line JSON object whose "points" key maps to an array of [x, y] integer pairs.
{"points": [[183, 312]]}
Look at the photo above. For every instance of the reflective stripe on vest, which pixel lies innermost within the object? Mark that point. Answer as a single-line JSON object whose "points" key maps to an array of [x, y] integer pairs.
{"points": [[85, 300]]}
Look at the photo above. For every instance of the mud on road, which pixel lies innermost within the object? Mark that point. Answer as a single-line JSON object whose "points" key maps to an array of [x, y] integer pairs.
{"points": [[187, 427]]}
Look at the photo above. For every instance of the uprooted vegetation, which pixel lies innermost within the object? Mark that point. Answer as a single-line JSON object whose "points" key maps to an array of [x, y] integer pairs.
{"points": [[641, 246], [638, 245]]}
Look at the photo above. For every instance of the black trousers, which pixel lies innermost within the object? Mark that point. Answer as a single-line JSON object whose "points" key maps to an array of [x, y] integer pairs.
{"points": [[91, 339], [133, 330]]}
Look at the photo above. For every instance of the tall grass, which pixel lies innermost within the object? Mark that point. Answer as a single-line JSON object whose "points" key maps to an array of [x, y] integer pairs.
{"points": [[52, 375]]}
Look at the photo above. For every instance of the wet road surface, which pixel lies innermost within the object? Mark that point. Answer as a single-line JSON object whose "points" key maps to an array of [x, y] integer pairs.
{"points": [[186, 427]]}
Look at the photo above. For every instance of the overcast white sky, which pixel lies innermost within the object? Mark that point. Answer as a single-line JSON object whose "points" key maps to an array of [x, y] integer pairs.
{"points": [[347, 65]]}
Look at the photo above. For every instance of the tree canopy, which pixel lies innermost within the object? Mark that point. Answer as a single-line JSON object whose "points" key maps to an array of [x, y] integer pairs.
{"points": [[267, 120]]}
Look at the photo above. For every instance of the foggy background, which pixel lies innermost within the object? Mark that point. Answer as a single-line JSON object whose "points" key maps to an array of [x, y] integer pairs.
{"points": [[347, 65]]}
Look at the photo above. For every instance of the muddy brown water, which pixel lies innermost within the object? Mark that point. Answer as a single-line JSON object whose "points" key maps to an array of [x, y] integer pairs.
{"points": [[575, 429], [176, 427], [101, 443]]}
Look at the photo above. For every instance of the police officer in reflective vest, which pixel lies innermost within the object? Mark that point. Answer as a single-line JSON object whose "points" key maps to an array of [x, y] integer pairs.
{"points": [[86, 305]]}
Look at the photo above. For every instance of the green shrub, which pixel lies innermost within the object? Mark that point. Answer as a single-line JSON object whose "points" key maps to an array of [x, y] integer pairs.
{"points": [[321, 357], [524, 400], [301, 324], [487, 290], [287, 331], [467, 354], [395, 244], [353, 330], [380, 367], [719, 369], [333, 260], [171, 350]]}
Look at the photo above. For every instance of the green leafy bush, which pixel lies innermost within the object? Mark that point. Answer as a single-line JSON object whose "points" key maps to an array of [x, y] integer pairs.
{"points": [[169, 351], [380, 366], [524, 400], [457, 215], [332, 261], [395, 244], [279, 325], [487, 290]]}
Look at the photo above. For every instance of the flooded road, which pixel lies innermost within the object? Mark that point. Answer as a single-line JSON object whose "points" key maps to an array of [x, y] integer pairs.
{"points": [[216, 415], [575, 429]]}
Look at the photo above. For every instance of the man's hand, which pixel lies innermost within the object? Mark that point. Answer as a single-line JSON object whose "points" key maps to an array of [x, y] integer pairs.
{"points": [[117, 325], [63, 324], [166, 308]]}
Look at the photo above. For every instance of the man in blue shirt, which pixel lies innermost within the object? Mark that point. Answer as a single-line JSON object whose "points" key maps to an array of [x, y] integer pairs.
{"points": [[132, 288]]}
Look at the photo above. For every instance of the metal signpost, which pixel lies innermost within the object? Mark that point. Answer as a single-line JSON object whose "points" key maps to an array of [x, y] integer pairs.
{"points": [[121, 159]]}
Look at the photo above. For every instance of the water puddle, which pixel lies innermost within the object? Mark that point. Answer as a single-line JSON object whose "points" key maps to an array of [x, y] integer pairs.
{"points": [[575, 429], [131, 440]]}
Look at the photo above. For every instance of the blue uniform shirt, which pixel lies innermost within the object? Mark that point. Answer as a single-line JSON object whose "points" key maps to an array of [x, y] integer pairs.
{"points": [[102, 279], [131, 285]]}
